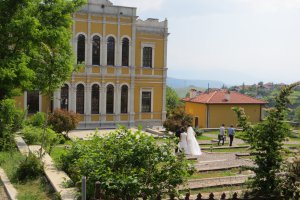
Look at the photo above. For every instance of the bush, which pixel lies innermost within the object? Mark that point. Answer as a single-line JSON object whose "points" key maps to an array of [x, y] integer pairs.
{"points": [[38, 119], [34, 135], [30, 168], [127, 165], [11, 119], [177, 119], [63, 121], [198, 131]]}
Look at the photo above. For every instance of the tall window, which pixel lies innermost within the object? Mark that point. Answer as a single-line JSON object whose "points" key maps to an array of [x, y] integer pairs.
{"points": [[33, 103], [110, 99], [96, 50], [95, 99], [124, 99], [80, 99], [64, 97], [80, 49], [147, 57], [125, 52], [146, 101], [110, 51]]}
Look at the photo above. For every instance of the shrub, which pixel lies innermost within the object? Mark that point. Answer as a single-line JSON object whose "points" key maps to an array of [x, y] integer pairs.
{"points": [[38, 119], [11, 119], [34, 135], [63, 121], [127, 165], [176, 119], [198, 131], [30, 168]]}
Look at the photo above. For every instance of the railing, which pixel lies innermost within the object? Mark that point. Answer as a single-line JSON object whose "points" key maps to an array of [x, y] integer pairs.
{"points": [[246, 196]]}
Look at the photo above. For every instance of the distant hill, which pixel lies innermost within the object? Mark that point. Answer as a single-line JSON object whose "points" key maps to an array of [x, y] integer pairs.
{"points": [[182, 83]]}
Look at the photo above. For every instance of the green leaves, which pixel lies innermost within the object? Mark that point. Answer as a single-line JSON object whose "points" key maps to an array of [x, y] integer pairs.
{"points": [[127, 164]]}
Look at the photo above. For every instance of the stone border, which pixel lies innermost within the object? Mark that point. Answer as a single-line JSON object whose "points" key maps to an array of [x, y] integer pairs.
{"points": [[56, 178], [9, 188]]}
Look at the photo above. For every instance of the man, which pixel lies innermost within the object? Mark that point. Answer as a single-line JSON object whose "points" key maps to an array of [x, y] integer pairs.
{"points": [[221, 134], [231, 134], [177, 134]]}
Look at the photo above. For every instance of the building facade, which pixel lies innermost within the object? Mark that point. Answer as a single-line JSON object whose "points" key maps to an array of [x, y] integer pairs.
{"points": [[123, 78], [210, 110]]}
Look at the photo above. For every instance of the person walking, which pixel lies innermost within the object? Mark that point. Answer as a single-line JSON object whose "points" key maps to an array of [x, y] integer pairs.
{"points": [[221, 134], [231, 132], [177, 134]]}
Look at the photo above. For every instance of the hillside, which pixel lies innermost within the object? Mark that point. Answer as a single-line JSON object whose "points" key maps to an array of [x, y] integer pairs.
{"points": [[182, 83]]}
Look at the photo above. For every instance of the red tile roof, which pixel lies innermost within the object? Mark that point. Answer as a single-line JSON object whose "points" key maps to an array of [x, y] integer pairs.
{"points": [[223, 97]]}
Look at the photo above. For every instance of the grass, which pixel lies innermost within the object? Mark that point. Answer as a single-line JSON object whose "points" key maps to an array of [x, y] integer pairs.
{"points": [[204, 137], [30, 190], [56, 153], [238, 150], [213, 174]]}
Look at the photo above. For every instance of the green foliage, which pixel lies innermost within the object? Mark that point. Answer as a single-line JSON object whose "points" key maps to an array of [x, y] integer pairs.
{"points": [[35, 46], [30, 168], [127, 165], [172, 99], [198, 131], [297, 114], [11, 119], [63, 120], [265, 138], [177, 119], [38, 119], [34, 135]]}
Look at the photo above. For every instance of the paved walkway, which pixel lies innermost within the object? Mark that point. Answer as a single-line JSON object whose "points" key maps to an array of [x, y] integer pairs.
{"points": [[12, 192], [3, 195]]}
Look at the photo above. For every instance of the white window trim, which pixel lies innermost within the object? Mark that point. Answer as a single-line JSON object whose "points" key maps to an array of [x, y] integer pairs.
{"points": [[152, 94], [91, 49], [40, 101], [121, 50], [148, 44]]}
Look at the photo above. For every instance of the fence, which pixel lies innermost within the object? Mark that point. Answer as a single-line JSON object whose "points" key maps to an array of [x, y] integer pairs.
{"points": [[99, 196]]}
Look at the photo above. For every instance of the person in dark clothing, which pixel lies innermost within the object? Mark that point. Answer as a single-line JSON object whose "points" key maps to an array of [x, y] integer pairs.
{"points": [[231, 134]]}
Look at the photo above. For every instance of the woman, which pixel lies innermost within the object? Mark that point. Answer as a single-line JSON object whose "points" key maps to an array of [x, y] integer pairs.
{"points": [[183, 146], [192, 143]]}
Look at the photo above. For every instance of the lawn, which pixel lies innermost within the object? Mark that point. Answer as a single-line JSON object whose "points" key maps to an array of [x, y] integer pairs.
{"points": [[56, 153], [213, 174], [233, 150], [30, 190]]}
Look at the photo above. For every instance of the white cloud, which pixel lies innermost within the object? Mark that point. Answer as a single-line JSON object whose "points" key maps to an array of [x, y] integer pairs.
{"points": [[270, 5], [142, 5]]}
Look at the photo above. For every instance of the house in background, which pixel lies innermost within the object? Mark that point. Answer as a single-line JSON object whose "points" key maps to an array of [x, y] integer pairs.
{"points": [[124, 78], [210, 110]]}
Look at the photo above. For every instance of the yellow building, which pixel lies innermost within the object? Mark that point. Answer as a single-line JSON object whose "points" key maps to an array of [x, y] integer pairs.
{"points": [[124, 78], [210, 110]]}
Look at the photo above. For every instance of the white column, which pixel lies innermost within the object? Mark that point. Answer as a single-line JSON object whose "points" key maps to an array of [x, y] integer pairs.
{"points": [[164, 112], [132, 74], [118, 45], [72, 99], [89, 43], [74, 39], [87, 102], [117, 102], [104, 43], [56, 99], [103, 102]]}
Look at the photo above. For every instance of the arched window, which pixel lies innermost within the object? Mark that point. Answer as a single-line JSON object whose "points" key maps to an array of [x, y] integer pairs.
{"points": [[110, 51], [95, 99], [125, 52], [147, 57], [33, 102], [110, 99], [80, 49], [64, 97], [80, 99], [96, 50], [124, 99]]}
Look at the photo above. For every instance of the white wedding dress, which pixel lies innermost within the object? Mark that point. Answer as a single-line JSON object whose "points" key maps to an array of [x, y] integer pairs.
{"points": [[183, 146], [193, 147]]}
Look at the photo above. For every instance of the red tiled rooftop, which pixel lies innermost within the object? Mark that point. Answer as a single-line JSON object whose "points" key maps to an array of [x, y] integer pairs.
{"points": [[219, 97]]}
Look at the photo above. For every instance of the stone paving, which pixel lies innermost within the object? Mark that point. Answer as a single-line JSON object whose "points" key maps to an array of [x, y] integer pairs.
{"points": [[3, 195]]}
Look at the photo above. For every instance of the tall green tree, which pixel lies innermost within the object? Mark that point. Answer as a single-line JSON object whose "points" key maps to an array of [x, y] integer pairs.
{"points": [[266, 140], [35, 51], [173, 100]]}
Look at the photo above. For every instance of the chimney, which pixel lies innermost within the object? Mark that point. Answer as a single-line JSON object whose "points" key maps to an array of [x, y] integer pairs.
{"points": [[193, 93], [227, 96]]}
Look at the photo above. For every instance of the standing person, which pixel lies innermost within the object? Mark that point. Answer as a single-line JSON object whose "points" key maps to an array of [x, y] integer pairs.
{"points": [[192, 143], [183, 146], [221, 134], [177, 134], [231, 134]]}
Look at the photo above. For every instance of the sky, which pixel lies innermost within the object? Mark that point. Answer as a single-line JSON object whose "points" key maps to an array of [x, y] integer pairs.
{"points": [[233, 41]]}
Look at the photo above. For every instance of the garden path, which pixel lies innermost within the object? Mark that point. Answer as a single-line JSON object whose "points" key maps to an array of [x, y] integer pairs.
{"points": [[3, 195]]}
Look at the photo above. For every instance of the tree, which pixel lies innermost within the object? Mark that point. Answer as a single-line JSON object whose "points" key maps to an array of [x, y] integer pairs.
{"points": [[35, 51], [297, 114], [128, 165], [173, 100], [177, 119], [266, 140]]}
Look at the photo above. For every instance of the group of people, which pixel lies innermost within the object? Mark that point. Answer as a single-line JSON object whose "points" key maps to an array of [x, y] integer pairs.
{"points": [[230, 132], [189, 145], [188, 142]]}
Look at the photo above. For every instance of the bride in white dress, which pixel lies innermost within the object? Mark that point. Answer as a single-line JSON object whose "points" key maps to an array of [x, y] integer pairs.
{"points": [[193, 147], [183, 143]]}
